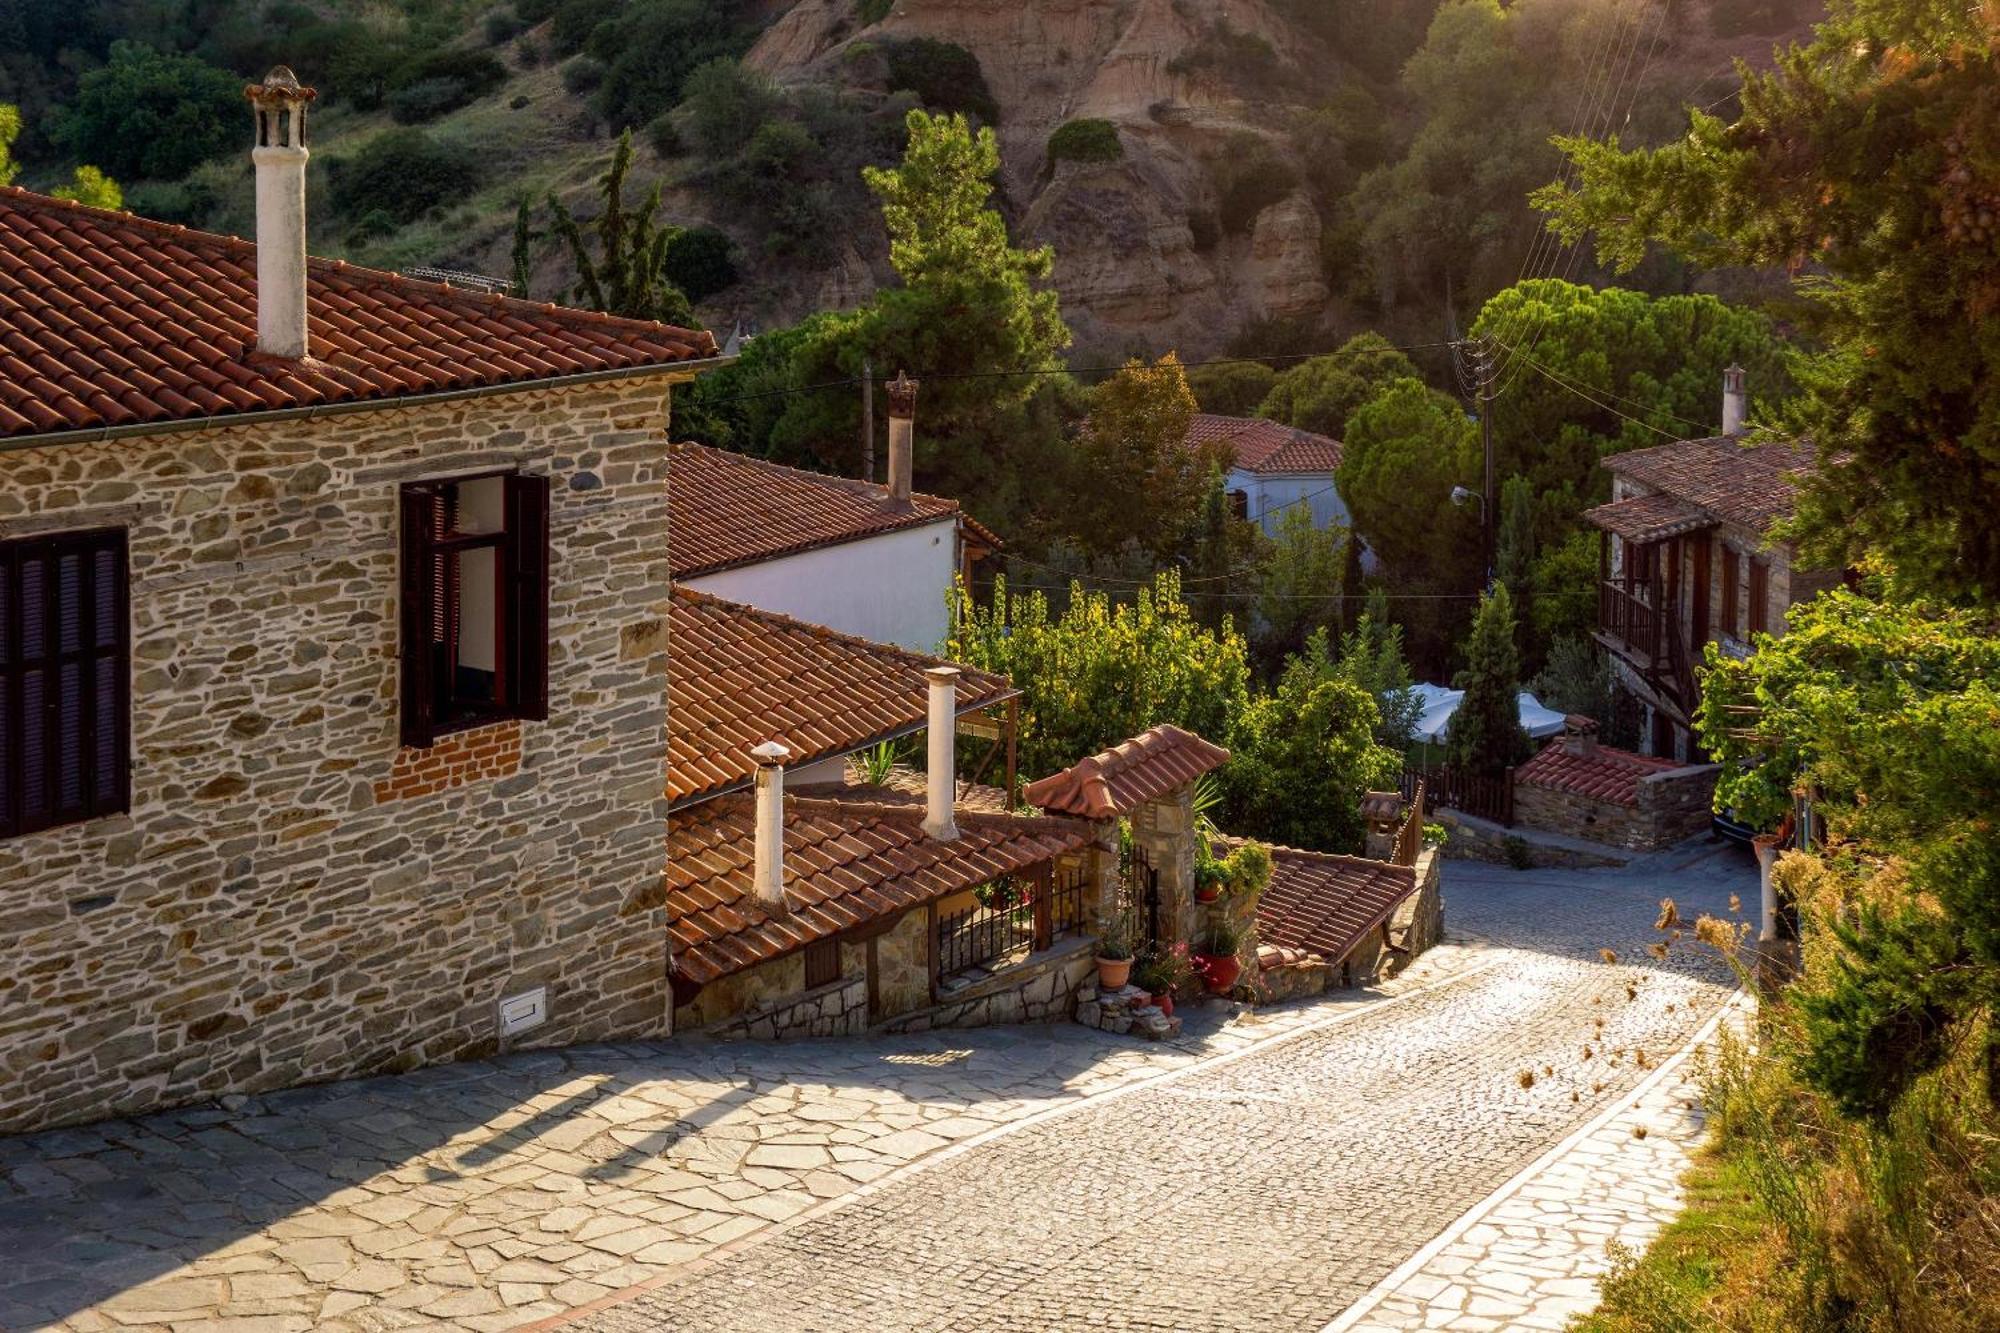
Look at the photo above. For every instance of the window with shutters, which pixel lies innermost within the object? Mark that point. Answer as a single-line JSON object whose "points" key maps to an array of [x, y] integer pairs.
{"points": [[475, 592], [1732, 622], [65, 689], [822, 963], [1760, 596]]}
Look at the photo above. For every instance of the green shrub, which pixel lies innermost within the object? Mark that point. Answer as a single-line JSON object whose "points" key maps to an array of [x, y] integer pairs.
{"points": [[944, 74], [1518, 853], [575, 20], [519, 100], [442, 82], [403, 174], [665, 136], [655, 45], [500, 26], [190, 202], [1249, 181], [1085, 141], [148, 115], [535, 11], [582, 74], [530, 52], [699, 263], [726, 105], [870, 12]]}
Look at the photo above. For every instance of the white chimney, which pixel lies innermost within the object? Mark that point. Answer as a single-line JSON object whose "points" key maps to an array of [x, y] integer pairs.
{"points": [[902, 433], [1735, 401], [280, 156], [941, 788], [768, 875]]}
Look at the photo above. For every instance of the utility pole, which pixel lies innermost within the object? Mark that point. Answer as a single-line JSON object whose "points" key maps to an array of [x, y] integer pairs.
{"points": [[1486, 377], [867, 420]]}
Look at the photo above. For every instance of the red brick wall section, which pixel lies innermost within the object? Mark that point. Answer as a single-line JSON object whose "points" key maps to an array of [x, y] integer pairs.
{"points": [[460, 758]]}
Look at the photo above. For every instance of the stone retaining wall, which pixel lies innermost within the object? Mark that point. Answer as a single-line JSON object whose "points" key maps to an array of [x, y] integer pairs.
{"points": [[1469, 838], [292, 896], [1672, 806], [1043, 989], [839, 1009]]}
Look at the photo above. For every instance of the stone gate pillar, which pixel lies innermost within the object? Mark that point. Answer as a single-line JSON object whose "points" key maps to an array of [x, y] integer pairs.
{"points": [[1163, 828]]}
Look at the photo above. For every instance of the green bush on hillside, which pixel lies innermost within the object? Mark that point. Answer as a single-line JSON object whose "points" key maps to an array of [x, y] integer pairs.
{"points": [[1088, 140], [574, 21], [944, 75], [404, 174], [441, 82], [699, 263], [652, 48], [582, 74], [146, 114]]}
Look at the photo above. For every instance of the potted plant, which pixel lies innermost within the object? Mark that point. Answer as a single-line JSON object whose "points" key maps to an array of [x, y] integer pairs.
{"points": [[1114, 953], [1153, 975], [1210, 878], [1215, 955]]}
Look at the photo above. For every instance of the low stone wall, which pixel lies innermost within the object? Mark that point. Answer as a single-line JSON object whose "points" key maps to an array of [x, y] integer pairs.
{"points": [[1041, 989], [1672, 806], [1415, 925], [838, 1009], [1469, 838], [1125, 1010]]}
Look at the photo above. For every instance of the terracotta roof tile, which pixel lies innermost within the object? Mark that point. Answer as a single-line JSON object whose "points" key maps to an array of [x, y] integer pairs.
{"points": [[846, 864], [1262, 446], [113, 320], [1117, 781], [1650, 518], [1750, 484], [738, 677], [1607, 775], [728, 509], [1326, 904]]}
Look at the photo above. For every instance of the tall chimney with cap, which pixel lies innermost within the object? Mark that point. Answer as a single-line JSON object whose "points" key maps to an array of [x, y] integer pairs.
{"points": [[768, 864], [941, 785], [902, 436], [280, 156], [1735, 401]]}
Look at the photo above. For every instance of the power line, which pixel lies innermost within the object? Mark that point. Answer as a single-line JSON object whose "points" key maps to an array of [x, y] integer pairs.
{"points": [[1544, 371]]}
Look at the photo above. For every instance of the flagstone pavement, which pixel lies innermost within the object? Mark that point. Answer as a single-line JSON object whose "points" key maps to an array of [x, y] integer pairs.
{"points": [[1269, 1169]]}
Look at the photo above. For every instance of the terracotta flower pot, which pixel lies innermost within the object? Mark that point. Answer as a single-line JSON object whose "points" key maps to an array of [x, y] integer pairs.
{"points": [[1166, 1003], [1113, 973], [1220, 970], [1208, 893]]}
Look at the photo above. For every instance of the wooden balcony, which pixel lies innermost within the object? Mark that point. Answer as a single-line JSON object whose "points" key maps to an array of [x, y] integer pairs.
{"points": [[1632, 624]]}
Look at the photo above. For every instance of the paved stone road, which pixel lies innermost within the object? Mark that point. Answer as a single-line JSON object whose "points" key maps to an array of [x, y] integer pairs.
{"points": [[1273, 1188], [1269, 1191]]}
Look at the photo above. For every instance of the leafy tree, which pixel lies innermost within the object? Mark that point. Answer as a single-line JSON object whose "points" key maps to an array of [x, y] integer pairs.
{"points": [[87, 185], [1562, 584], [1865, 162], [700, 263], [1138, 480], [1371, 655], [726, 104], [146, 113], [627, 275], [1515, 544], [1101, 672], [1577, 679], [1321, 394], [651, 47], [1232, 388], [1405, 450], [944, 75], [440, 82], [403, 174], [1486, 735], [1303, 756], [1300, 587], [1635, 370], [1890, 716]]}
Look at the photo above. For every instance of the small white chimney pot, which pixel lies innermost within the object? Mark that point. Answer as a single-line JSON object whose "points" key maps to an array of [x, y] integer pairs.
{"points": [[280, 156], [1735, 402], [902, 436], [768, 866], [941, 784]]}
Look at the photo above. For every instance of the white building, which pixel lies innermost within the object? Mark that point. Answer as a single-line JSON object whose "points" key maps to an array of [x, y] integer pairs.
{"points": [[827, 550], [1274, 469]]}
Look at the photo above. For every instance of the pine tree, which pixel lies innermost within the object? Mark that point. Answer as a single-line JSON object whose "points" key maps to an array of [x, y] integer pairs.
{"points": [[627, 276], [1486, 735]]}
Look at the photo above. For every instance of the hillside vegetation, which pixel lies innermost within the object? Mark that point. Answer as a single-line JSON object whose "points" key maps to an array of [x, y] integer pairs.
{"points": [[1268, 175]]}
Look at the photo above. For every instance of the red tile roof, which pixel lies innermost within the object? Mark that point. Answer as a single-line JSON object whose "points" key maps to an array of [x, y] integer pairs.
{"points": [[1750, 484], [1265, 446], [1117, 781], [846, 864], [738, 677], [1650, 518], [1327, 904], [727, 509], [110, 321], [1608, 775]]}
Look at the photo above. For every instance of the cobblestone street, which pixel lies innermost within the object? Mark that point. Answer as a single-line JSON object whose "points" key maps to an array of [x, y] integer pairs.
{"points": [[1265, 1171]]}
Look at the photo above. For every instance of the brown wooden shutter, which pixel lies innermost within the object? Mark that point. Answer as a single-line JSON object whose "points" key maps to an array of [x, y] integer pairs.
{"points": [[1760, 596], [65, 701], [528, 594], [421, 612], [1732, 623]]}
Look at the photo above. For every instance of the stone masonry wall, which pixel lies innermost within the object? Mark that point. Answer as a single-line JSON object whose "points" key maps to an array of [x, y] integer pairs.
{"points": [[289, 899], [1672, 806], [1041, 989], [838, 1009]]}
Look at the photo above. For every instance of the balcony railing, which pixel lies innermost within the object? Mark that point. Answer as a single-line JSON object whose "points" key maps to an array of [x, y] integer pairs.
{"points": [[1628, 615]]}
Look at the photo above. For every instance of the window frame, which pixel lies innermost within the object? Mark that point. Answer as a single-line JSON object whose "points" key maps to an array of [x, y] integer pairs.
{"points": [[822, 962], [88, 656], [521, 594]]}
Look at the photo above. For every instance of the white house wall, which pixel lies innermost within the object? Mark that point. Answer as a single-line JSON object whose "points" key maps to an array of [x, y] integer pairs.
{"points": [[1272, 496], [890, 588]]}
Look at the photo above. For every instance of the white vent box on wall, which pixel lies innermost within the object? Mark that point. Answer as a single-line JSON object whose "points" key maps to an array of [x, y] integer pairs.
{"points": [[523, 1012]]}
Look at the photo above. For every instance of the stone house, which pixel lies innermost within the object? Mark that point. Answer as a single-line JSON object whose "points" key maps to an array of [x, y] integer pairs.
{"points": [[878, 561], [1581, 789], [1686, 559], [802, 900], [333, 694], [1272, 469]]}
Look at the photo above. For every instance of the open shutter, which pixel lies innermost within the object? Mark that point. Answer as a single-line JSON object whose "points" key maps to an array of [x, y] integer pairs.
{"points": [[528, 594], [420, 614]]}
